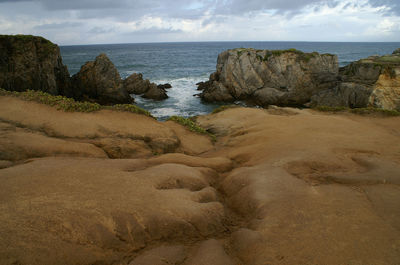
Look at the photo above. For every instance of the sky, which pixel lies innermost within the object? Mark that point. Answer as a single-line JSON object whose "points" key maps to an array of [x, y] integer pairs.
{"points": [[68, 22]]}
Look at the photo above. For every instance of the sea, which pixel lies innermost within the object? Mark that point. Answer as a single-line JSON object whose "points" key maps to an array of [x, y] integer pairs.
{"points": [[184, 64]]}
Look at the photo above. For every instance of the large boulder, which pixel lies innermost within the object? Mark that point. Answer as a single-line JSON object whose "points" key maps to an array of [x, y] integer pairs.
{"points": [[100, 81], [135, 84], [288, 77], [371, 82], [30, 62], [397, 51], [155, 93]]}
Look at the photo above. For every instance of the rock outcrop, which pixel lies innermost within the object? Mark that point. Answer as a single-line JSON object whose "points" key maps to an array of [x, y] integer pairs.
{"points": [[288, 77], [280, 186], [30, 62], [372, 82], [100, 81], [397, 51], [135, 84]]}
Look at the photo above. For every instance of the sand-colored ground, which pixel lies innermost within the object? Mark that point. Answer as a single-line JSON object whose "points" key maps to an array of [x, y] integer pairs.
{"points": [[280, 186]]}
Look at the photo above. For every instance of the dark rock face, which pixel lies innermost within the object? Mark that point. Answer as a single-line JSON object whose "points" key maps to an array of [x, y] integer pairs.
{"points": [[155, 93], [100, 81], [164, 86], [266, 77], [397, 51], [371, 82], [29, 62], [135, 84]]}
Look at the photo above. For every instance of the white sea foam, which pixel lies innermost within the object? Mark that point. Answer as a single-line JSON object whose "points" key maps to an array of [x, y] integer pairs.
{"points": [[181, 101]]}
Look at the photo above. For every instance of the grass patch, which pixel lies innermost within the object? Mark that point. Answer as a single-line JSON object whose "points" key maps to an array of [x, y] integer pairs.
{"points": [[192, 126], [47, 45], [69, 104], [224, 107], [302, 56], [129, 108], [360, 111], [389, 59]]}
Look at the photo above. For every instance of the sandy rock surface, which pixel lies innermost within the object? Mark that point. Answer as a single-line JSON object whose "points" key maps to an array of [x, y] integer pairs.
{"points": [[280, 186]]}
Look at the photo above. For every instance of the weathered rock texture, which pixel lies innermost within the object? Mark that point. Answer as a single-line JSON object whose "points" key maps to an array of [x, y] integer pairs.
{"points": [[99, 80], [371, 82], [29, 62], [135, 84], [258, 196], [266, 77]]}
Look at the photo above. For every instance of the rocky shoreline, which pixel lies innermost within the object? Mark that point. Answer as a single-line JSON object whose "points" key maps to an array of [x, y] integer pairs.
{"points": [[276, 186], [294, 78], [30, 62], [84, 183]]}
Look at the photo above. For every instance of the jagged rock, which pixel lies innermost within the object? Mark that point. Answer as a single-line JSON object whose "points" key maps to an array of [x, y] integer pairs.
{"points": [[164, 86], [100, 81], [397, 51], [215, 91], [135, 84], [371, 82], [30, 62], [155, 93], [266, 77]]}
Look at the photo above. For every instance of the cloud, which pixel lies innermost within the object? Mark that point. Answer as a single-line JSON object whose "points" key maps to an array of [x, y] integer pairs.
{"points": [[58, 26], [120, 21], [392, 5]]}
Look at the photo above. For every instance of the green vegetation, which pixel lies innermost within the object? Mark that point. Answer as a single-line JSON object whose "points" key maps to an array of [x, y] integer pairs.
{"points": [[69, 104], [224, 107], [191, 125], [240, 51], [259, 57], [302, 56], [47, 45], [360, 111], [129, 108], [389, 59]]}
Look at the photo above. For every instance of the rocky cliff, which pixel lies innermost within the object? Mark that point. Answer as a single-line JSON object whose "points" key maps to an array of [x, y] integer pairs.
{"points": [[29, 62], [288, 77], [371, 82], [100, 81]]}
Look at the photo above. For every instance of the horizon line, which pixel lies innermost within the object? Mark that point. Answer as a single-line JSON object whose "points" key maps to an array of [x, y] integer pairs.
{"points": [[177, 42]]}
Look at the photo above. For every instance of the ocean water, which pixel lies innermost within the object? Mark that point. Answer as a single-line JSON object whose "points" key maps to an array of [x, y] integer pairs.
{"points": [[185, 64]]}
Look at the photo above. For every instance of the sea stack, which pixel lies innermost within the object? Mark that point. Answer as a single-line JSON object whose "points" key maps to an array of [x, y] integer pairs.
{"points": [[99, 80]]}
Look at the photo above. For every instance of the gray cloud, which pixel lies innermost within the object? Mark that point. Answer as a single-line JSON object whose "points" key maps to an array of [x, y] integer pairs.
{"points": [[394, 5], [240, 6], [155, 31], [58, 26], [190, 9]]}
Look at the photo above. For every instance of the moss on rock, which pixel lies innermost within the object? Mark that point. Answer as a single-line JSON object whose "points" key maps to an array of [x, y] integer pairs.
{"points": [[69, 104]]}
